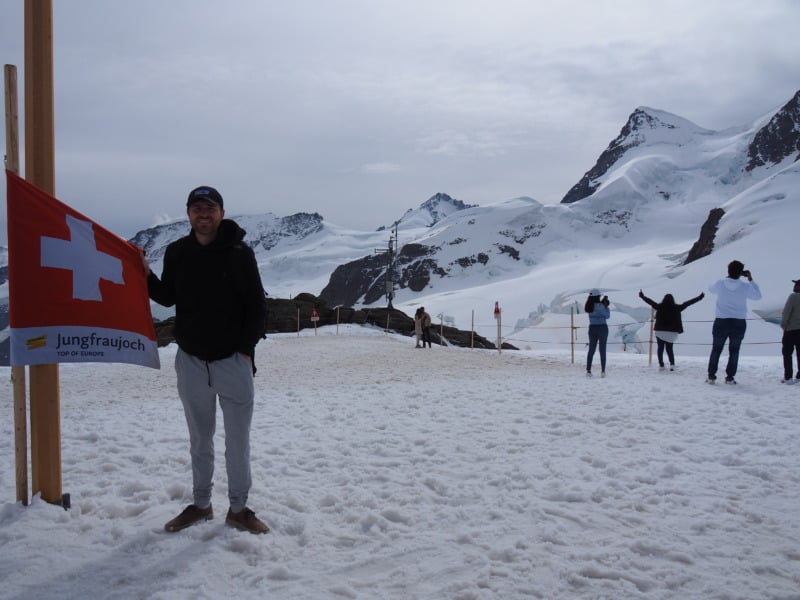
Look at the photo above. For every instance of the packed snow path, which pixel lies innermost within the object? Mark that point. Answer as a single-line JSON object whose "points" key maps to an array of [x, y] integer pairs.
{"points": [[390, 472]]}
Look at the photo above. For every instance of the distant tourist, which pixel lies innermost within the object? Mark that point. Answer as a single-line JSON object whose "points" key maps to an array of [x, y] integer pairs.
{"points": [[418, 326], [426, 327], [730, 323], [212, 279], [599, 313], [790, 323], [668, 325]]}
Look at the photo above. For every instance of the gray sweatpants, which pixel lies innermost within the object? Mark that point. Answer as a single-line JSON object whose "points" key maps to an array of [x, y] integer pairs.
{"points": [[199, 384]]}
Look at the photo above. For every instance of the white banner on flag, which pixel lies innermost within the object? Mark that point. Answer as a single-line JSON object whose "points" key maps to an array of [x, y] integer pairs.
{"points": [[49, 345]]}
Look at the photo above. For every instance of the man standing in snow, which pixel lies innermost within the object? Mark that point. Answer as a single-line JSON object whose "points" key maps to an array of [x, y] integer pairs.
{"points": [[730, 323], [426, 327], [790, 323], [212, 278]]}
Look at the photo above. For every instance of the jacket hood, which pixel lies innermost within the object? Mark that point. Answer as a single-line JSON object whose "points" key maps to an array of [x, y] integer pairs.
{"points": [[732, 284]]}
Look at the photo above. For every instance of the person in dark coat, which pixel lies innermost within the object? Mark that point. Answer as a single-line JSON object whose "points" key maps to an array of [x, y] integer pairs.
{"points": [[668, 325], [212, 278], [790, 323]]}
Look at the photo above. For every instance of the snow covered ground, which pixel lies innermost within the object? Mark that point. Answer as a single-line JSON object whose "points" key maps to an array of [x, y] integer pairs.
{"points": [[395, 473]]}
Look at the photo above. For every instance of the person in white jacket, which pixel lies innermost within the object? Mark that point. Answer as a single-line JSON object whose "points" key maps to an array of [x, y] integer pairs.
{"points": [[790, 323], [730, 323]]}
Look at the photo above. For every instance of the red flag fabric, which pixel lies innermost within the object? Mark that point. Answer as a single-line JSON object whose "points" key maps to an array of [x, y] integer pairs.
{"points": [[77, 292]]}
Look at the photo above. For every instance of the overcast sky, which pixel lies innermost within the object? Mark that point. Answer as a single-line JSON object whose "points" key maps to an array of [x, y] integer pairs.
{"points": [[362, 109]]}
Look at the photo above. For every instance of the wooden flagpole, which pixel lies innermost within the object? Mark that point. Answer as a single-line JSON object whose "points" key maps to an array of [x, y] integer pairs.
{"points": [[45, 410], [17, 373]]}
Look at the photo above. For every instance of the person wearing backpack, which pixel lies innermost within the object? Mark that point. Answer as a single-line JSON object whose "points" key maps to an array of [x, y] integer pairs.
{"points": [[599, 313]]}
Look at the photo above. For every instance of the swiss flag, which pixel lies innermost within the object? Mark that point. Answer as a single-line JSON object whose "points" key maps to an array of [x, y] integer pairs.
{"points": [[77, 292]]}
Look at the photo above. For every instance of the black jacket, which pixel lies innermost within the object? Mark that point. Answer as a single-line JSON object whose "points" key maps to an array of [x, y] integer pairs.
{"points": [[217, 292], [668, 316]]}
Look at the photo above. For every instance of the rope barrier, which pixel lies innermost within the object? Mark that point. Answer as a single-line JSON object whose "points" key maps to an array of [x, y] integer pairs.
{"points": [[516, 334], [650, 341]]}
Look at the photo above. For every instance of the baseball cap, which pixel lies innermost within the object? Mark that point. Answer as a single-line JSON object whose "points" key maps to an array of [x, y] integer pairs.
{"points": [[204, 193]]}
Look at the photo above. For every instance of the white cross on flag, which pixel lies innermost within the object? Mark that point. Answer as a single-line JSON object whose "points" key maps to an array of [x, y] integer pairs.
{"points": [[77, 292]]}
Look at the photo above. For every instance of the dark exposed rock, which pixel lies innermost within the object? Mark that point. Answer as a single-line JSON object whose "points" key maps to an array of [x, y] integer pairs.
{"points": [[417, 275], [777, 139], [366, 277], [705, 244], [510, 250], [529, 231], [465, 261], [468, 261], [292, 315], [352, 280]]}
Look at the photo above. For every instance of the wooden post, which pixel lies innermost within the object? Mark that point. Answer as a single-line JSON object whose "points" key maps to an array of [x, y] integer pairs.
{"points": [[650, 345], [298, 321], [17, 373], [472, 331], [40, 171]]}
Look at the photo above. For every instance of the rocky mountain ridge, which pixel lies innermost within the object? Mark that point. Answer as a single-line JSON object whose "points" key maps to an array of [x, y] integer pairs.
{"points": [[663, 182]]}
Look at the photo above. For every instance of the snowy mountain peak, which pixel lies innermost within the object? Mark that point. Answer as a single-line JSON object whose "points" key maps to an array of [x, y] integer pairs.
{"points": [[432, 211], [645, 126], [644, 118]]}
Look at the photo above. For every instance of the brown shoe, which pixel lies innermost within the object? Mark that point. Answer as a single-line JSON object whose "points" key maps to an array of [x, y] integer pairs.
{"points": [[246, 521], [190, 515]]}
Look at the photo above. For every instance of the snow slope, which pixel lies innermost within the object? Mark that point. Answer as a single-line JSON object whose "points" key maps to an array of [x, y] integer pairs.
{"points": [[395, 473]]}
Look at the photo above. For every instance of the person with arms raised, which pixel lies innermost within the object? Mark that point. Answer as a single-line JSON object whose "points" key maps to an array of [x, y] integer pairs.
{"points": [[668, 325]]}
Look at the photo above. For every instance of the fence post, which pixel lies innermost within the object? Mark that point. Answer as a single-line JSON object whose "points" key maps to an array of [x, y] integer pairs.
{"points": [[572, 333], [472, 331], [650, 343]]}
